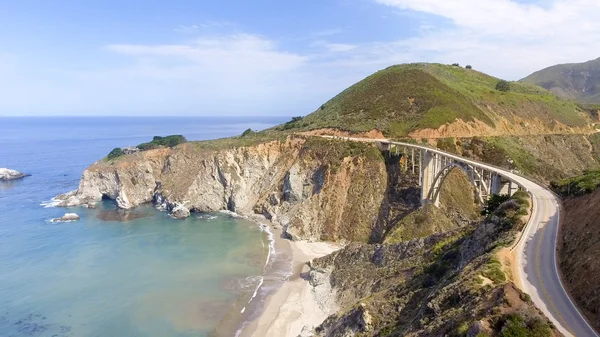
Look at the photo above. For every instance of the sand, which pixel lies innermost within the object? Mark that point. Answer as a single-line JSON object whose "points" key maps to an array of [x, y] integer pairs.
{"points": [[293, 306]]}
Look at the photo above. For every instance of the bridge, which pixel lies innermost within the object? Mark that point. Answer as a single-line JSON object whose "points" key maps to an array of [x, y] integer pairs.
{"points": [[433, 166], [536, 249]]}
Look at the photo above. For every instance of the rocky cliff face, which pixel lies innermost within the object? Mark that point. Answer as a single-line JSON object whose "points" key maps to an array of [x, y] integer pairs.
{"points": [[446, 284], [317, 189], [579, 251]]}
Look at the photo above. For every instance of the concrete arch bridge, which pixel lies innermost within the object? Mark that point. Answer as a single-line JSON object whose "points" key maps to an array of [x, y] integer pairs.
{"points": [[433, 167]]}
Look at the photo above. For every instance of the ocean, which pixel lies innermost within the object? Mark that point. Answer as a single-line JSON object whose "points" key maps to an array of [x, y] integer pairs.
{"points": [[114, 273]]}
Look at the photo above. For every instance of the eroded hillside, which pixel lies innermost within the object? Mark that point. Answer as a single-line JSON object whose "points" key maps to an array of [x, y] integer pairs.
{"points": [[579, 246], [456, 282]]}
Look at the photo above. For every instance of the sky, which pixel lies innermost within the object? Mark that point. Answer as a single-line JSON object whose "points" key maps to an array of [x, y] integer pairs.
{"points": [[262, 57]]}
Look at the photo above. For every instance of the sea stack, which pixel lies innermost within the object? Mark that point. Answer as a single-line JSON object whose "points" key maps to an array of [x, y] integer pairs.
{"points": [[68, 217], [8, 174]]}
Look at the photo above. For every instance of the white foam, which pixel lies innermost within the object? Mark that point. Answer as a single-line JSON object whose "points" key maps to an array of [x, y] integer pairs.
{"points": [[207, 217], [50, 203], [232, 214]]}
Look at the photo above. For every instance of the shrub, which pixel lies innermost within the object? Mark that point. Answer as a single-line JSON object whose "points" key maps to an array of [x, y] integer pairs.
{"points": [[469, 66], [493, 203], [247, 132], [503, 86], [293, 123], [455, 65], [158, 141], [514, 325], [115, 153]]}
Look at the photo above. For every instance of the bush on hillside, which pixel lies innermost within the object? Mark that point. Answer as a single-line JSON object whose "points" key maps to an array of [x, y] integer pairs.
{"points": [[469, 66], [247, 132], [293, 123], [115, 153], [158, 141], [455, 65], [493, 203], [503, 86]]}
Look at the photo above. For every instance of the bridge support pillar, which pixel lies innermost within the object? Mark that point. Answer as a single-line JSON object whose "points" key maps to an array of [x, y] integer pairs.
{"points": [[428, 174], [502, 186]]}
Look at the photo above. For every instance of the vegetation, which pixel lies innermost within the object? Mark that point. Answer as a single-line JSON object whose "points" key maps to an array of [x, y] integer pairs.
{"points": [[579, 185], [409, 97], [115, 153], [494, 271], [493, 203], [578, 81], [503, 85], [468, 66], [515, 325], [247, 132], [158, 142]]}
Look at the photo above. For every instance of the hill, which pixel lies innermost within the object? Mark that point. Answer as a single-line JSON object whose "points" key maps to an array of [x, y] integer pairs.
{"points": [[578, 81], [401, 100]]}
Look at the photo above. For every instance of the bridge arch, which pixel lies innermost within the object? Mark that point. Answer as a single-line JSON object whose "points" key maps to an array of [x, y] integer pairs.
{"points": [[433, 194]]}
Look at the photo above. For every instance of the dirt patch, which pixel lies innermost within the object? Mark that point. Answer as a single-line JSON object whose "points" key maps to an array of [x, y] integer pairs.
{"points": [[503, 127], [373, 134], [485, 280], [509, 265]]}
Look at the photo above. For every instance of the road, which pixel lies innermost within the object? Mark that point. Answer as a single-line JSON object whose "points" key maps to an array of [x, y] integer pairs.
{"points": [[536, 251]]}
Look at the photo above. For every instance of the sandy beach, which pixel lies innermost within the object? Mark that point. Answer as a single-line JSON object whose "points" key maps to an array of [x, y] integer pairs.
{"points": [[294, 305]]}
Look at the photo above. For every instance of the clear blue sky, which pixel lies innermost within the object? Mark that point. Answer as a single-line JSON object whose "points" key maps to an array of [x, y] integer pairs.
{"points": [[261, 57]]}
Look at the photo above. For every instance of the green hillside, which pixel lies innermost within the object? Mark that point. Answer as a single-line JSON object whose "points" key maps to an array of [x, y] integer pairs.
{"points": [[409, 97], [579, 81]]}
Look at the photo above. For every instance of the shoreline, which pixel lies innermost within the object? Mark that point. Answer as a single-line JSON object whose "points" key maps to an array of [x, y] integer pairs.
{"points": [[293, 305]]}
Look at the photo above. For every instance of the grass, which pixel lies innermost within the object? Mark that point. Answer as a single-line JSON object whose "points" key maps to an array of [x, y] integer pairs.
{"points": [[409, 97], [424, 221], [494, 271], [569, 81]]}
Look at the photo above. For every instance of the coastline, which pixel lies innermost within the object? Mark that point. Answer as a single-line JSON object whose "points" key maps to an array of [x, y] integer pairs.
{"points": [[294, 305]]}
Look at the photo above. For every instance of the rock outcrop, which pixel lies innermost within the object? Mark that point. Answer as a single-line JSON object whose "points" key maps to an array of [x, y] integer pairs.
{"points": [[316, 189], [68, 217], [8, 174]]}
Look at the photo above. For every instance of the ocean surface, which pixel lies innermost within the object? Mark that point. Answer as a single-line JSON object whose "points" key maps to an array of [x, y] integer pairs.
{"points": [[115, 273]]}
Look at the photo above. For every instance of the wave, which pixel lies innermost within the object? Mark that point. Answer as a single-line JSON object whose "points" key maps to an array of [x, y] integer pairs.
{"points": [[232, 214], [50, 203], [206, 217]]}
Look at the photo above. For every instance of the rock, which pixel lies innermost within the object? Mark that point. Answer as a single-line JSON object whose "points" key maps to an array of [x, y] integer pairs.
{"points": [[68, 217], [130, 150], [8, 174], [309, 190], [293, 185], [180, 212]]}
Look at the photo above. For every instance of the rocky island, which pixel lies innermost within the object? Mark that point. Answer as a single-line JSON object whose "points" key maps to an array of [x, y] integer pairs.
{"points": [[8, 174], [404, 269]]}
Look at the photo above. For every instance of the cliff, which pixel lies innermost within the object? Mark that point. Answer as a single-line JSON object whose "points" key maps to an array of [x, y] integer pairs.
{"points": [[317, 189], [579, 249], [456, 283]]}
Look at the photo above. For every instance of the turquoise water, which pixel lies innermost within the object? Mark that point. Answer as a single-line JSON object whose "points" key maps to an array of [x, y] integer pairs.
{"points": [[114, 273]]}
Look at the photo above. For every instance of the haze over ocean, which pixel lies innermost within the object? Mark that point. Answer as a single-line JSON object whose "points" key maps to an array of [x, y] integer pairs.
{"points": [[102, 276]]}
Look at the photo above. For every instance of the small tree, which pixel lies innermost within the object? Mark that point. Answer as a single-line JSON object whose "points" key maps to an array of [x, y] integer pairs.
{"points": [[247, 132], [469, 66], [455, 65], [503, 86], [115, 153], [493, 203]]}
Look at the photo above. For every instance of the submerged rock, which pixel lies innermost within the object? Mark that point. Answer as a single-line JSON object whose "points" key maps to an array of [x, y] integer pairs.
{"points": [[67, 218], [8, 174]]}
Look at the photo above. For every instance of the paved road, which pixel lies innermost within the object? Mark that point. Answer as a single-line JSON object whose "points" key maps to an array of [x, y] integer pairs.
{"points": [[536, 252]]}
